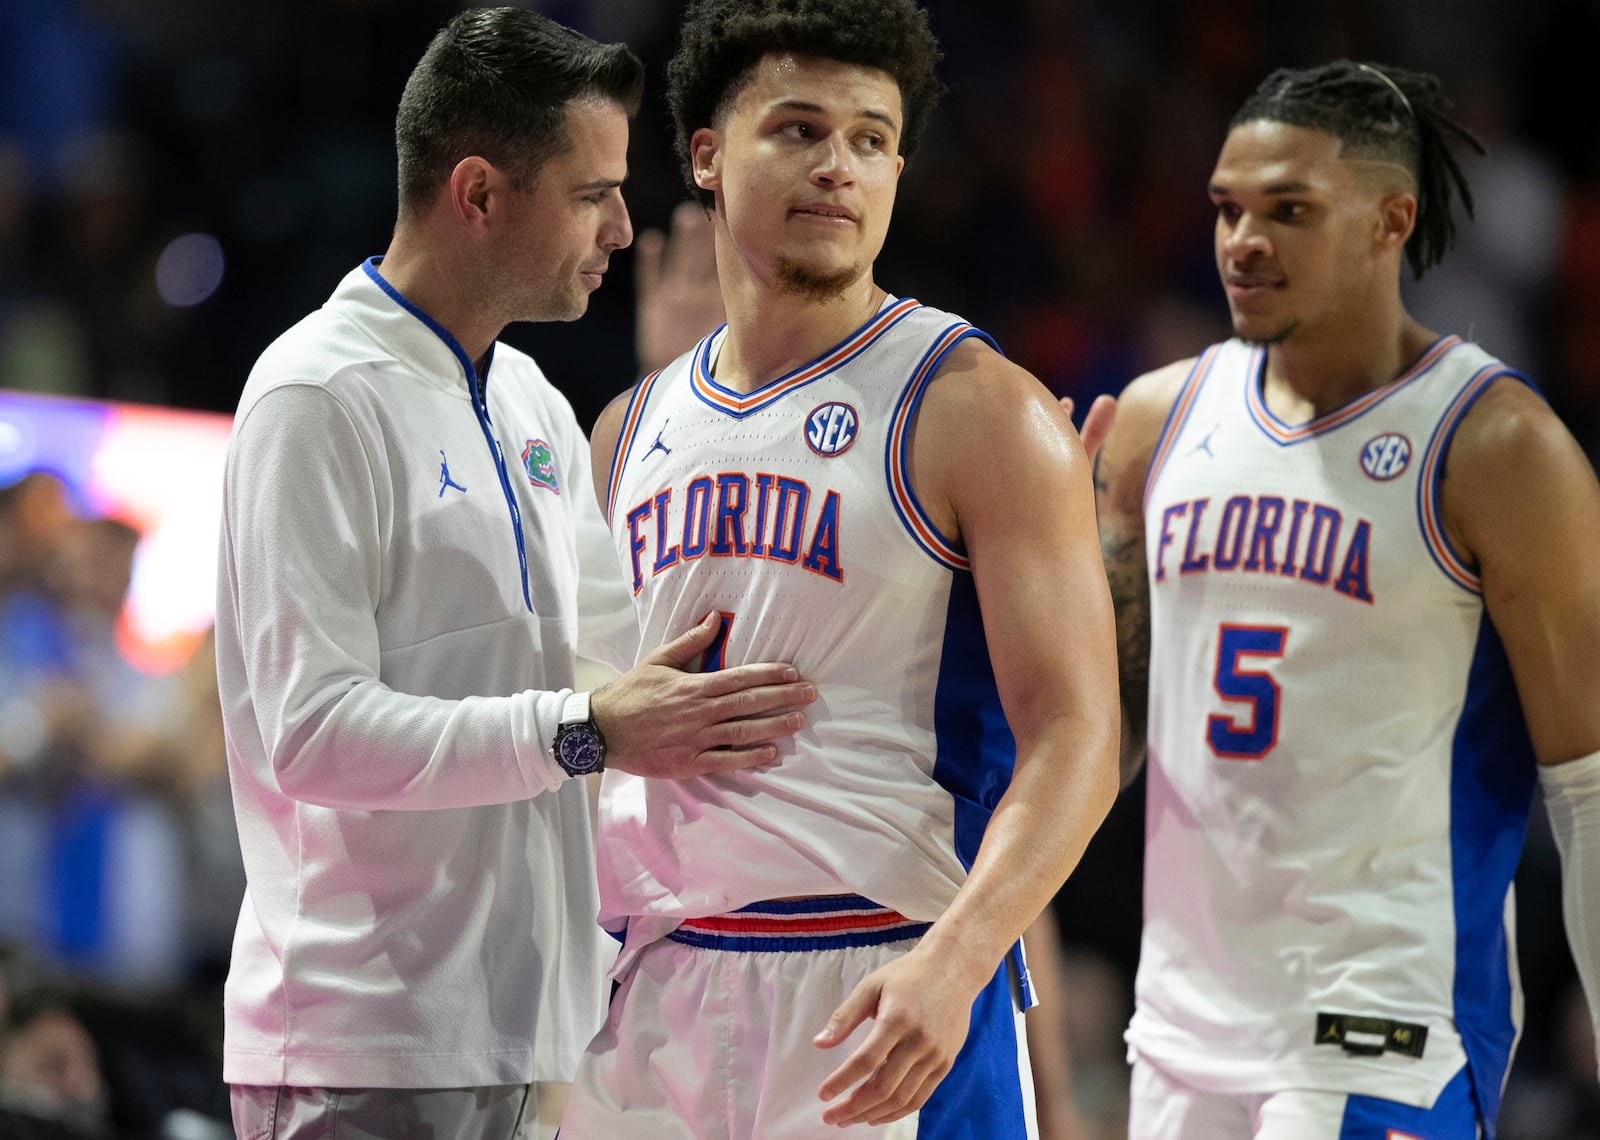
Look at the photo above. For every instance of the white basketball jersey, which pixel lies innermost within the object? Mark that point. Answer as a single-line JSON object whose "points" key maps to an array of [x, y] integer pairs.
{"points": [[789, 511], [1340, 776]]}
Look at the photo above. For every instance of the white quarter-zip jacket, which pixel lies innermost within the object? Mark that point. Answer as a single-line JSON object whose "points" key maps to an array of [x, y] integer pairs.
{"points": [[410, 562]]}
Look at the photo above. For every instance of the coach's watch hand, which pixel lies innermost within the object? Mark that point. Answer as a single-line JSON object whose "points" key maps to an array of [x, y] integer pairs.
{"points": [[660, 720], [920, 1014]]}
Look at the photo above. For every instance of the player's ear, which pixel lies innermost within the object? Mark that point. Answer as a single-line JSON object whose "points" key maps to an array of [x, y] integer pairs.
{"points": [[1397, 218], [705, 158]]}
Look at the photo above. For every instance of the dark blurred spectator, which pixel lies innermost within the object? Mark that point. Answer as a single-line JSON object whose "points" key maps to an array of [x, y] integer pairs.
{"points": [[35, 512], [37, 700], [114, 809], [50, 1071], [82, 1062]]}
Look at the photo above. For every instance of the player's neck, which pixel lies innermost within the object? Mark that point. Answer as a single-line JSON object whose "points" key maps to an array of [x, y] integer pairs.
{"points": [[773, 332], [1310, 376]]}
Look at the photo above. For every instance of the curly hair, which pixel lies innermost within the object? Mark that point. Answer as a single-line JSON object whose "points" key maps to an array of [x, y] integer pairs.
{"points": [[1382, 112], [720, 42], [496, 82]]}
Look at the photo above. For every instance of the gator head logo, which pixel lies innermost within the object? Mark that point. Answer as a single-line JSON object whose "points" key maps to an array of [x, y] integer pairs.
{"points": [[540, 465]]}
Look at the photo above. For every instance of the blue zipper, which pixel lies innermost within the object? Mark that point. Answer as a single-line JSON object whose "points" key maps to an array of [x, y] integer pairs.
{"points": [[480, 406]]}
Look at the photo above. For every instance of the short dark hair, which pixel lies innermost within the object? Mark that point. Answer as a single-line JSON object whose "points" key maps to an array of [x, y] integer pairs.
{"points": [[1378, 111], [496, 82], [720, 42]]}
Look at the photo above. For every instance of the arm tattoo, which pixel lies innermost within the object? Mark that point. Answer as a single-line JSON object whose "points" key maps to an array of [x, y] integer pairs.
{"points": [[1130, 594]]}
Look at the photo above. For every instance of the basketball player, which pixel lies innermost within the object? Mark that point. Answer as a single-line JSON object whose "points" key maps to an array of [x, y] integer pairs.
{"points": [[862, 485], [1357, 568]]}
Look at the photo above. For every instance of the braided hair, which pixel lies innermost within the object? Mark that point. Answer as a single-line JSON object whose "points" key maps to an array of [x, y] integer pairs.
{"points": [[1386, 113]]}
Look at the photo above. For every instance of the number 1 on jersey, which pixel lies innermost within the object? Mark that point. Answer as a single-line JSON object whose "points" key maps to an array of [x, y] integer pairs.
{"points": [[717, 652], [1259, 734]]}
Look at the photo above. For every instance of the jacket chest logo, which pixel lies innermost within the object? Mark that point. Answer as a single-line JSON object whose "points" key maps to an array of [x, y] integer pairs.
{"points": [[446, 483], [540, 465]]}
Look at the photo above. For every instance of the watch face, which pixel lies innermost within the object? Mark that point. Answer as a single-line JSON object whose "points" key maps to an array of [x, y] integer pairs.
{"points": [[579, 751]]}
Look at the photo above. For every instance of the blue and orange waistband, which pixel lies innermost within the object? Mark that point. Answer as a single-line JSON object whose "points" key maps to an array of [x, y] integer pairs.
{"points": [[829, 922]]}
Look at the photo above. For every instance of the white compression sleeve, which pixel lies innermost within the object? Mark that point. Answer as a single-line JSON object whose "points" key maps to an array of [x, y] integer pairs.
{"points": [[1572, 799]]}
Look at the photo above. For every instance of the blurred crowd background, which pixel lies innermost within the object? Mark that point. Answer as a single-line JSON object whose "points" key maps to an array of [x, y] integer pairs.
{"points": [[181, 181]]}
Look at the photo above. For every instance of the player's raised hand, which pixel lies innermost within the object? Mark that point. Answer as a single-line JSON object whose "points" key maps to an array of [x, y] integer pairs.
{"points": [[919, 1022], [675, 287], [659, 719], [1096, 422]]}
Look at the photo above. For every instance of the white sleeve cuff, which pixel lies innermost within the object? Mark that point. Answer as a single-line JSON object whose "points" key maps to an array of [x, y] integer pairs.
{"points": [[533, 741], [1572, 800]]}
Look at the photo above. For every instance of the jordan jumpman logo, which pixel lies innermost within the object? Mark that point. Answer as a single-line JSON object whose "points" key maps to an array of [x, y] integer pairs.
{"points": [[658, 445], [444, 476], [1205, 444]]}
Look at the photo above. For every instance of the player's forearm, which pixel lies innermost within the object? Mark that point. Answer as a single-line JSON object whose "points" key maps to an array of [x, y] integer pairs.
{"points": [[1060, 793]]}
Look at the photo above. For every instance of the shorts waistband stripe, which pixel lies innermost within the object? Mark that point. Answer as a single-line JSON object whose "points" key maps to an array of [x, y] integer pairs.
{"points": [[800, 924]]}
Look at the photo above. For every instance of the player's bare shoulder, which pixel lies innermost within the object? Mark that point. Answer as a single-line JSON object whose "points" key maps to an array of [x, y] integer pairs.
{"points": [[1510, 421], [1512, 462], [984, 396], [1143, 405], [984, 419]]}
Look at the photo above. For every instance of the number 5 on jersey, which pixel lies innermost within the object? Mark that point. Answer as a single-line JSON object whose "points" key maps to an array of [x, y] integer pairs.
{"points": [[1246, 737]]}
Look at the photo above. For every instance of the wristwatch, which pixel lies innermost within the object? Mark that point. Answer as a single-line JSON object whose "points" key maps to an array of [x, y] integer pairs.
{"points": [[578, 747]]}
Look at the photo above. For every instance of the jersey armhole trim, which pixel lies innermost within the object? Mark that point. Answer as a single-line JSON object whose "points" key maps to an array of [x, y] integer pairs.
{"points": [[1178, 415], [897, 453], [1429, 517], [630, 428]]}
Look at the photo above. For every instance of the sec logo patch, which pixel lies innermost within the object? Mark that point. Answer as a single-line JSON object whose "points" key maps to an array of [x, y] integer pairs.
{"points": [[831, 429], [1386, 456]]}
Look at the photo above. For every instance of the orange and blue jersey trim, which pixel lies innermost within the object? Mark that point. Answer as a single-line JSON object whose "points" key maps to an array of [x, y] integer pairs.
{"points": [[830, 922], [1429, 517], [1177, 415], [897, 453], [630, 429], [1284, 435], [739, 405]]}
